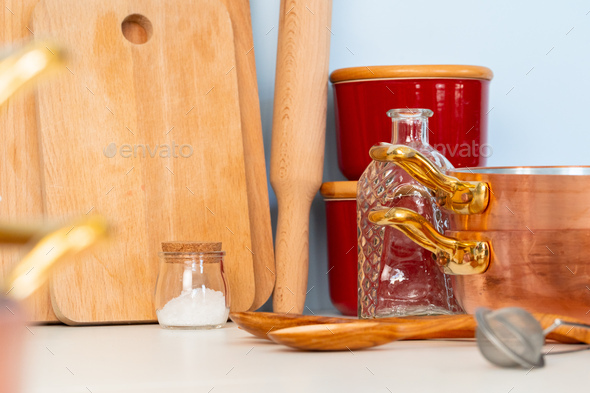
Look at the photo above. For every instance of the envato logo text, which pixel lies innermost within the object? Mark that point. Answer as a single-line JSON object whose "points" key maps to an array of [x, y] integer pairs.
{"points": [[465, 150], [162, 151]]}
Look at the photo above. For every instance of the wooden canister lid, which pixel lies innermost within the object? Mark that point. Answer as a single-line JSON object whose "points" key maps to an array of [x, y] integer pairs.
{"points": [[339, 190], [188, 246], [411, 72]]}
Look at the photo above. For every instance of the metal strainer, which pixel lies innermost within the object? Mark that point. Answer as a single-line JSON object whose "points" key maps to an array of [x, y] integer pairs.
{"points": [[512, 337]]}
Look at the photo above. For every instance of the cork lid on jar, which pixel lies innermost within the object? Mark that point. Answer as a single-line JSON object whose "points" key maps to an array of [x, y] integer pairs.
{"points": [[411, 72], [190, 246]]}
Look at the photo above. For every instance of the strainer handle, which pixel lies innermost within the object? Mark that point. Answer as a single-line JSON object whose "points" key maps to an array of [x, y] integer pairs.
{"points": [[559, 322]]}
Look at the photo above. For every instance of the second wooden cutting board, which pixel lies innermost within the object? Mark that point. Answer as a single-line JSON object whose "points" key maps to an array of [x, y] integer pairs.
{"points": [[260, 227], [256, 179], [145, 129]]}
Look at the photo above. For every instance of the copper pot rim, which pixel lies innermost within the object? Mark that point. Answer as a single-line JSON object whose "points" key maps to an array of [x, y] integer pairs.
{"points": [[544, 170], [490, 233]]}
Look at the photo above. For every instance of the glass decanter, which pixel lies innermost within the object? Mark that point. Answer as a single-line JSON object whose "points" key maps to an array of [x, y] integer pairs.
{"points": [[396, 276]]}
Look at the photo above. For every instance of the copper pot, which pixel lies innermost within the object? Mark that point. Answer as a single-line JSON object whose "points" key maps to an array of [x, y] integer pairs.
{"points": [[517, 236], [543, 272]]}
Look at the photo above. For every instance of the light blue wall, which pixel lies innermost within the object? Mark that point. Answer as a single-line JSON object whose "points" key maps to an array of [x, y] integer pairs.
{"points": [[529, 45]]}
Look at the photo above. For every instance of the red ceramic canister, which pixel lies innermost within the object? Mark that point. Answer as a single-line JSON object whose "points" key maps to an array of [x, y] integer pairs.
{"points": [[340, 198], [457, 94]]}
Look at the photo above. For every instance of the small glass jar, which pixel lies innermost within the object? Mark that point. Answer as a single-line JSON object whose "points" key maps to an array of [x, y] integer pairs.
{"points": [[191, 290]]}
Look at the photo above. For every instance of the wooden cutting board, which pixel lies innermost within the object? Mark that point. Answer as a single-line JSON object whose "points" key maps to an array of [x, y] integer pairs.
{"points": [[120, 99], [260, 226], [20, 185]]}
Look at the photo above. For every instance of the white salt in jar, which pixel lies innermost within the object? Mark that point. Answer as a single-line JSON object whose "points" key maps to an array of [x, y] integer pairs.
{"points": [[191, 291]]}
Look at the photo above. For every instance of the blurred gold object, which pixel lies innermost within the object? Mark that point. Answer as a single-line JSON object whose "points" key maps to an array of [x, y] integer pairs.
{"points": [[458, 257], [463, 197], [26, 64], [34, 269], [18, 69], [11, 233]]}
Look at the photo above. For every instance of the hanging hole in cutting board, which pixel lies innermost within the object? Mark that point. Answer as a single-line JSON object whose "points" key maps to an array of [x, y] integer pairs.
{"points": [[137, 29]]}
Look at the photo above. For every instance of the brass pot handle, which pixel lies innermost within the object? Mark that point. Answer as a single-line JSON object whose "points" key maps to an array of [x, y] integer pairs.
{"points": [[457, 257], [463, 197]]}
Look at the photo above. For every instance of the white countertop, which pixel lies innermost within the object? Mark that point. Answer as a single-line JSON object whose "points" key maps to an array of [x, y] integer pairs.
{"points": [[146, 358]]}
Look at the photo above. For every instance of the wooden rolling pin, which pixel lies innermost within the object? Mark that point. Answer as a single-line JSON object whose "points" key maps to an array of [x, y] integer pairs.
{"points": [[298, 135]]}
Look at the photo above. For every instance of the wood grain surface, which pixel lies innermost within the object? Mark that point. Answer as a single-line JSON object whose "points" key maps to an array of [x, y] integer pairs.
{"points": [[298, 136], [260, 226], [20, 188], [339, 190], [178, 88]]}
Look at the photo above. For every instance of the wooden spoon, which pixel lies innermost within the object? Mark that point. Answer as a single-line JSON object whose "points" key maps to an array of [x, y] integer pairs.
{"points": [[263, 324], [360, 335]]}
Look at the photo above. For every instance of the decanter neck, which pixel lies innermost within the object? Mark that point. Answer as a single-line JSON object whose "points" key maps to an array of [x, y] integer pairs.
{"points": [[409, 125]]}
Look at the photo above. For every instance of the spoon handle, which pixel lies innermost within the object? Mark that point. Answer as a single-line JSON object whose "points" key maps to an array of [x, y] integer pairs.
{"points": [[363, 334], [563, 333]]}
